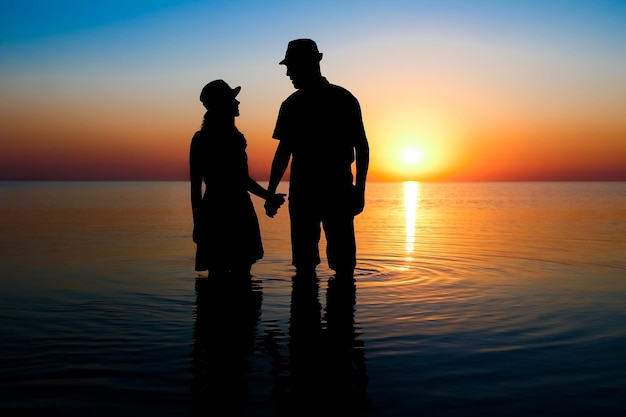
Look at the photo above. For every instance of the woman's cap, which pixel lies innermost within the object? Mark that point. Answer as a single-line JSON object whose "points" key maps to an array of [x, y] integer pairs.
{"points": [[218, 91]]}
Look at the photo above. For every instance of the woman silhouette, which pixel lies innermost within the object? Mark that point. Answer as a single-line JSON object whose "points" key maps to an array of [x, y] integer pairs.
{"points": [[226, 228]]}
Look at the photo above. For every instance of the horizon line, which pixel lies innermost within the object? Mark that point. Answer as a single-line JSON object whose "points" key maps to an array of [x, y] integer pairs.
{"points": [[286, 181]]}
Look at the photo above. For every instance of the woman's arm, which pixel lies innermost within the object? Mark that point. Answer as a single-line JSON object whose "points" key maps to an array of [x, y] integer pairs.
{"points": [[195, 180], [256, 189], [273, 201]]}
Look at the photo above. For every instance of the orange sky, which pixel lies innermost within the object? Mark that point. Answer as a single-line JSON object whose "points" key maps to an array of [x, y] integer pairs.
{"points": [[448, 92]]}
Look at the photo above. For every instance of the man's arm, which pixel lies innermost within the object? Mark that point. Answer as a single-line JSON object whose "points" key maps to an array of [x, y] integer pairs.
{"points": [[279, 166], [362, 157]]}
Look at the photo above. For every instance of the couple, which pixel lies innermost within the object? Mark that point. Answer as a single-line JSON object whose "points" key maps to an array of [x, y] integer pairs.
{"points": [[320, 130]]}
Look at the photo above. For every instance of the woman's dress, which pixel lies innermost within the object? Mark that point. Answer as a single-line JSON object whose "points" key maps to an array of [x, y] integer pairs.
{"points": [[229, 233]]}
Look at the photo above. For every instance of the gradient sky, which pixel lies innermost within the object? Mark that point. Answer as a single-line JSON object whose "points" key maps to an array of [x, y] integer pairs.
{"points": [[450, 90]]}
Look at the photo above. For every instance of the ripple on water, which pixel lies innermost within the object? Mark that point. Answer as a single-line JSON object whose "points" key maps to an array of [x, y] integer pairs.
{"points": [[408, 271]]}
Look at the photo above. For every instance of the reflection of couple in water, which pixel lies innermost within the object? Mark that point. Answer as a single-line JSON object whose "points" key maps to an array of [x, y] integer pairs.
{"points": [[327, 374], [226, 317], [320, 130], [323, 373]]}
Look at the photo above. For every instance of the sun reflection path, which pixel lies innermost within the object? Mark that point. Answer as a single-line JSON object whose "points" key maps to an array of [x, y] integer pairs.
{"points": [[411, 200]]}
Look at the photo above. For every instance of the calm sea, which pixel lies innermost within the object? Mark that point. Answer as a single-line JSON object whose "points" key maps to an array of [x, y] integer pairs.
{"points": [[471, 299]]}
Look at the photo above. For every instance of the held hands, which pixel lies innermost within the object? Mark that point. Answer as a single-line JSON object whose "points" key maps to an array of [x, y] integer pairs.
{"points": [[273, 203]]}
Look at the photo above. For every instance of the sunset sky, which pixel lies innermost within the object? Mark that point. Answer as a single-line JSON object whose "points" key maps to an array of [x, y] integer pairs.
{"points": [[450, 90]]}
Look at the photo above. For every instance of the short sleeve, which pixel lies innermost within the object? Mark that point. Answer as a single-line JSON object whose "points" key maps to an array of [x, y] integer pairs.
{"points": [[281, 130]]}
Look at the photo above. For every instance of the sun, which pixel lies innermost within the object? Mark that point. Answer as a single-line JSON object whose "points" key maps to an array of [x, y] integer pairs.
{"points": [[412, 156], [428, 152]]}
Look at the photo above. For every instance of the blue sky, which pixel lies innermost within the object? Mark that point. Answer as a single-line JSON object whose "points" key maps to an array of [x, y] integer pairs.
{"points": [[444, 69]]}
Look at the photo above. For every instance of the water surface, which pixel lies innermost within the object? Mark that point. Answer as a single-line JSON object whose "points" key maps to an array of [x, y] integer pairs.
{"points": [[479, 299]]}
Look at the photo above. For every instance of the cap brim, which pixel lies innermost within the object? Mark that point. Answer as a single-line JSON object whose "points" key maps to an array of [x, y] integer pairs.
{"points": [[236, 91]]}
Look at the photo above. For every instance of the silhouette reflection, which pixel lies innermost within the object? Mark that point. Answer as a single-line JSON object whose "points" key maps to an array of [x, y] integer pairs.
{"points": [[326, 367], [324, 370], [226, 316], [345, 358], [306, 375]]}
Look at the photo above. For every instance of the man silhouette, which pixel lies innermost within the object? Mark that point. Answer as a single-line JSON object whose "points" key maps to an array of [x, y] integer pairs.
{"points": [[320, 129]]}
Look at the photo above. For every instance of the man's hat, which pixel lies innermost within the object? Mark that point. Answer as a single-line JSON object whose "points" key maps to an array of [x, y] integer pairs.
{"points": [[301, 51], [218, 91]]}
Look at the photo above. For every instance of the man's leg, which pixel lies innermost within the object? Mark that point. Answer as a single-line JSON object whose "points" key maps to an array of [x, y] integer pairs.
{"points": [[340, 243], [305, 237]]}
